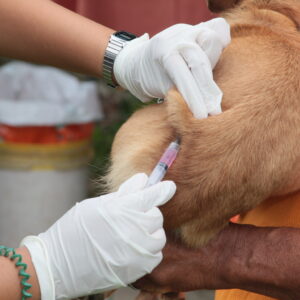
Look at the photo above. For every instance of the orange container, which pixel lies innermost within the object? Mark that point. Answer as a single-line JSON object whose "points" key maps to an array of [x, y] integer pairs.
{"points": [[46, 134], [45, 147]]}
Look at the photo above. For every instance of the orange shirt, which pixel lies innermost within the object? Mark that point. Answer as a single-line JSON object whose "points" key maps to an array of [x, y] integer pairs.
{"points": [[279, 212]]}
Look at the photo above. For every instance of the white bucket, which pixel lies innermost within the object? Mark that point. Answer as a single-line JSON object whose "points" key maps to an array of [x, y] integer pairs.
{"points": [[38, 184], [45, 130]]}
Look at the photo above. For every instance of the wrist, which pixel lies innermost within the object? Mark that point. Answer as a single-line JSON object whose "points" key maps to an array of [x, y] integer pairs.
{"points": [[262, 260], [244, 257], [33, 280], [41, 263], [116, 43], [128, 68], [215, 260], [11, 268], [224, 260]]}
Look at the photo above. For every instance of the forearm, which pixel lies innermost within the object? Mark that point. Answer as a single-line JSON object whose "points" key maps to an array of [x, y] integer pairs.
{"points": [[262, 260], [43, 32], [10, 283]]}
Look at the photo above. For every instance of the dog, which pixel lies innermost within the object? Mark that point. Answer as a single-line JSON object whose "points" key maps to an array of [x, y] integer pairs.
{"points": [[229, 163]]}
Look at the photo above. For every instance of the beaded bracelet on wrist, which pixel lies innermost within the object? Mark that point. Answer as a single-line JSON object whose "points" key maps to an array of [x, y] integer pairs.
{"points": [[17, 258]]}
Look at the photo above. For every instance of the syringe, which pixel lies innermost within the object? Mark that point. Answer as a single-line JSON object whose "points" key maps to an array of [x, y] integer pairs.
{"points": [[164, 163]]}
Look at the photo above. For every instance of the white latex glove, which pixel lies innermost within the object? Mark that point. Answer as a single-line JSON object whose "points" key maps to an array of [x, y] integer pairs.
{"points": [[102, 243], [182, 56]]}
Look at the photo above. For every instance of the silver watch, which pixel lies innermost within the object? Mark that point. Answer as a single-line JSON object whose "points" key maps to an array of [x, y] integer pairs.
{"points": [[116, 43]]}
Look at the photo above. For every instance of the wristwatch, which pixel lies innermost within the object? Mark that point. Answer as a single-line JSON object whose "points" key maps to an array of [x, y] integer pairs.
{"points": [[116, 43]]}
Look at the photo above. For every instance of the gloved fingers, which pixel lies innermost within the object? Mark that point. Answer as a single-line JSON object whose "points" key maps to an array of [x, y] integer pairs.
{"points": [[160, 236], [221, 27], [156, 260], [154, 242], [183, 79], [210, 43], [132, 185], [158, 194], [202, 74], [152, 196], [152, 220], [144, 229]]}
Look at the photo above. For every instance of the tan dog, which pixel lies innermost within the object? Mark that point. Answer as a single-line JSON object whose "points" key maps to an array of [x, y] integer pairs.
{"points": [[231, 162], [228, 163]]}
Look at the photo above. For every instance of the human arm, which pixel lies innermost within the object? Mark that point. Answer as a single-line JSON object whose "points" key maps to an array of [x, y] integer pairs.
{"points": [[261, 260], [102, 243], [10, 287], [182, 55], [46, 33]]}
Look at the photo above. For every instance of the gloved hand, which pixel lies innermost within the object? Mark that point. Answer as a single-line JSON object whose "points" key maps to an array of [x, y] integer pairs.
{"points": [[102, 243], [182, 55]]}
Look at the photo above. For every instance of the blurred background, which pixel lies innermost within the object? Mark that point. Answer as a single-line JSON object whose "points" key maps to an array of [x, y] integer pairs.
{"points": [[56, 128]]}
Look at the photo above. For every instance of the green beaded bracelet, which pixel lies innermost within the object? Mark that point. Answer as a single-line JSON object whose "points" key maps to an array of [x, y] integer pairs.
{"points": [[11, 253]]}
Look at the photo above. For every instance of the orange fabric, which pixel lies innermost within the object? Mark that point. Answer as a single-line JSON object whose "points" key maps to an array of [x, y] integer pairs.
{"points": [[284, 211], [46, 134], [239, 295], [235, 219]]}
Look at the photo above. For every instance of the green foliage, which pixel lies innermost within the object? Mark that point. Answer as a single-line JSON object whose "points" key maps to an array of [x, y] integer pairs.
{"points": [[119, 112]]}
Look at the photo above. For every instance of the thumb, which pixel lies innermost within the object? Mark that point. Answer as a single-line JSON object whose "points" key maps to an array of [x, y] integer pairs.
{"points": [[155, 195], [132, 185], [221, 28]]}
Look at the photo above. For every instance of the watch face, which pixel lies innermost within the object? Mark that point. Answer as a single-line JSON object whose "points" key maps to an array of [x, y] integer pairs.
{"points": [[124, 35]]}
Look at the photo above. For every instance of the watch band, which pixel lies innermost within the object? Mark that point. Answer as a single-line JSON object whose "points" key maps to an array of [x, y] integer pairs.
{"points": [[116, 43]]}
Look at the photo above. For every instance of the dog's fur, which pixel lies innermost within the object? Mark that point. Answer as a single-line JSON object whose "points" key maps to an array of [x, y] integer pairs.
{"points": [[228, 163]]}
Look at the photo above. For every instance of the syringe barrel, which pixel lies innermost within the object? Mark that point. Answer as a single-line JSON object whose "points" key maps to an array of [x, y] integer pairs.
{"points": [[170, 154], [164, 163], [157, 174]]}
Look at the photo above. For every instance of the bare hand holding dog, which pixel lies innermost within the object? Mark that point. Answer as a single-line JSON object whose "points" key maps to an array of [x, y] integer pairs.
{"points": [[260, 260]]}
